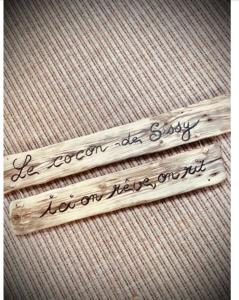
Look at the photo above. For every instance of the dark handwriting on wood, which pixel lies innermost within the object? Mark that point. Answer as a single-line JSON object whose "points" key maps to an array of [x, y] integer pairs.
{"points": [[143, 184], [156, 132], [24, 169], [184, 128], [135, 186]]}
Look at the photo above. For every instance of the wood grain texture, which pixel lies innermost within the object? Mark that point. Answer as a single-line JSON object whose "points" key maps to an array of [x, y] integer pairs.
{"points": [[143, 184], [205, 119]]}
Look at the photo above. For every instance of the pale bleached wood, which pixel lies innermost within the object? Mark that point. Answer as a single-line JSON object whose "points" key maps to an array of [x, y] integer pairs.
{"points": [[32, 214], [208, 118]]}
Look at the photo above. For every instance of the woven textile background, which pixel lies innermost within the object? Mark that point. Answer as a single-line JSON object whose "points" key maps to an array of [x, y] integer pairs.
{"points": [[76, 67]]}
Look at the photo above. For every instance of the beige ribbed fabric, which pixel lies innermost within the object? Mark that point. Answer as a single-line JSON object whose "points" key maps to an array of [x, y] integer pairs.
{"points": [[76, 67]]}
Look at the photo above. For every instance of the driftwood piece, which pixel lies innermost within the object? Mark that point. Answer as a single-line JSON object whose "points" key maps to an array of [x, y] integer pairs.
{"points": [[143, 184], [206, 119]]}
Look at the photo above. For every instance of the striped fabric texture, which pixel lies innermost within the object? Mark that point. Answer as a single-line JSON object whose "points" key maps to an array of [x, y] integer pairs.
{"points": [[75, 67]]}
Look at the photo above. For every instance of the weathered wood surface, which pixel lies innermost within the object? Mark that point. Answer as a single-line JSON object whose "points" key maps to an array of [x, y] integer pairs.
{"points": [[149, 182], [206, 119]]}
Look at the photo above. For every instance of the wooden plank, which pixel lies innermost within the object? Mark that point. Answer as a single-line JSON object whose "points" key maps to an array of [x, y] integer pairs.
{"points": [[166, 177], [206, 119]]}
